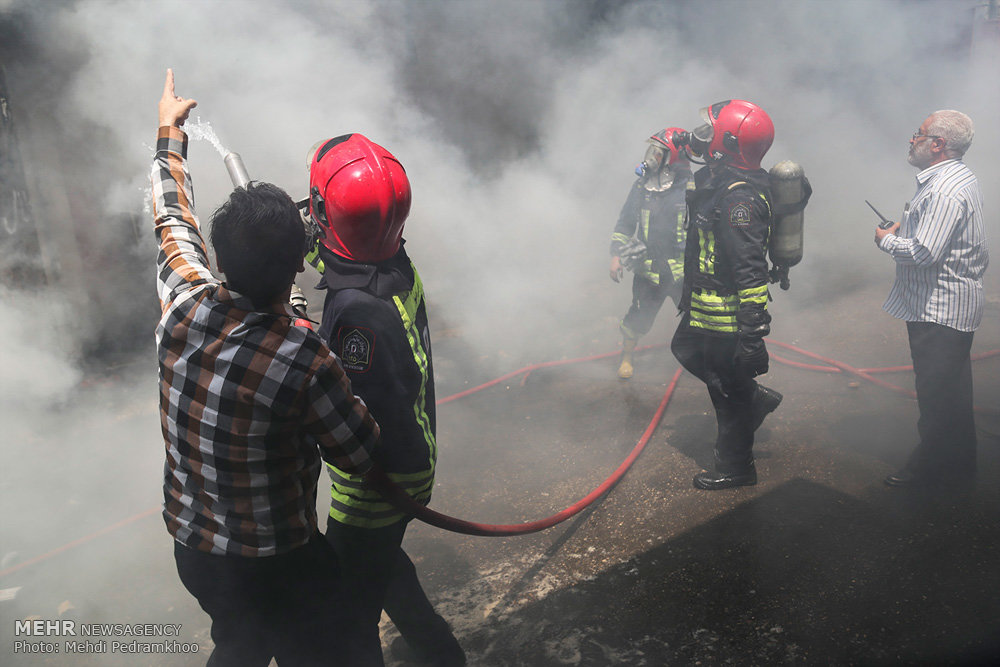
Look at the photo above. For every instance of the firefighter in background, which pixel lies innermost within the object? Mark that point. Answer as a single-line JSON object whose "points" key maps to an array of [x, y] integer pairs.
{"points": [[720, 338], [649, 237], [375, 320]]}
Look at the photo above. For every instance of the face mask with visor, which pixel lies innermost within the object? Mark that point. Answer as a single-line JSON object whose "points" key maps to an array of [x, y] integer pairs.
{"points": [[701, 137], [651, 163]]}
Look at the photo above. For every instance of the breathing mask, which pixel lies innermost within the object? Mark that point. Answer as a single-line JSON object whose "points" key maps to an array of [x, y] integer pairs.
{"points": [[700, 139], [651, 163]]}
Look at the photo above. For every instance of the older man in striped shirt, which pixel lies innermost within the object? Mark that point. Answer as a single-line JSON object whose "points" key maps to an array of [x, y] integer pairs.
{"points": [[940, 254]]}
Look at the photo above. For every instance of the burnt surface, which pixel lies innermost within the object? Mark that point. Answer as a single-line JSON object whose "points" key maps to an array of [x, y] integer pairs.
{"points": [[800, 574]]}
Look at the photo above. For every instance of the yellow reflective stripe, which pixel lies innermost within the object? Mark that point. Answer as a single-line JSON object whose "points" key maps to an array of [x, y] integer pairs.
{"points": [[312, 257], [370, 515], [710, 300], [714, 312], [724, 319], [766, 203], [681, 219], [714, 308], [619, 237], [353, 485], [767, 232], [676, 268], [706, 258], [357, 505], [644, 215], [408, 312], [754, 295], [710, 326], [648, 273]]}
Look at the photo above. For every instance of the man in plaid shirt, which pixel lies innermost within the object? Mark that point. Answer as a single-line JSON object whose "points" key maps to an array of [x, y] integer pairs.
{"points": [[248, 404]]}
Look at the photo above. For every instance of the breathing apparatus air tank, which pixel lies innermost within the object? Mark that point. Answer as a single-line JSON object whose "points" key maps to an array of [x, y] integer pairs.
{"points": [[790, 190]]}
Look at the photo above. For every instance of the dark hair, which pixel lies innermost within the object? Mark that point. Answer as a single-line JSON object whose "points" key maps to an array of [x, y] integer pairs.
{"points": [[259, 241]]}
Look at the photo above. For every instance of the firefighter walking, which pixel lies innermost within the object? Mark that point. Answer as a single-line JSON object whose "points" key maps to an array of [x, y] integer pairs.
{"points": [[720, 338], [649, 237]]}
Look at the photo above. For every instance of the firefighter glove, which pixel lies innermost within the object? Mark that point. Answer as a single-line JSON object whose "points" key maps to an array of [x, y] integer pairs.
{"points": [[753, 321], [633, 254], [751, 355]]}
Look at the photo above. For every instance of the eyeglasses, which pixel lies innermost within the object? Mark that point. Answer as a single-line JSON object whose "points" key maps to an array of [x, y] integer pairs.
{"points": [[918, 135]]}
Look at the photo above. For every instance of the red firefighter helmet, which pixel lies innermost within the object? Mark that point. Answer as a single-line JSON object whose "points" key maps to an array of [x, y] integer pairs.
{"points": [[671, 138], [736, 131], [359, 196]]}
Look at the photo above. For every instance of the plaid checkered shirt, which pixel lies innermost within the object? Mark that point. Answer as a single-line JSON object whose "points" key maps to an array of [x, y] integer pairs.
{"points": [[248, 402]]}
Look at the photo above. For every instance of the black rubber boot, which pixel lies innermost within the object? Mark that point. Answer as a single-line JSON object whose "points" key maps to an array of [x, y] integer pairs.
{"points": [[713, 481], [765, 401]]}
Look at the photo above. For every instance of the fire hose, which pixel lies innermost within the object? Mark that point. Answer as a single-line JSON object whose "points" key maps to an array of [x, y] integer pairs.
{"points": [[404, 503], [399, 498]]}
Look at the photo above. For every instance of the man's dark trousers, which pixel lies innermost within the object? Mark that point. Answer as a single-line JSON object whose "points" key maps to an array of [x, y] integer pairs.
{"points": [[290, 606], [943, 368]]}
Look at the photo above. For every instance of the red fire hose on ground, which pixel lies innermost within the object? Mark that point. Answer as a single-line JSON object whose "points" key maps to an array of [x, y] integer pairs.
{"points": [[408, 505], [405, 503], [402, 501]]}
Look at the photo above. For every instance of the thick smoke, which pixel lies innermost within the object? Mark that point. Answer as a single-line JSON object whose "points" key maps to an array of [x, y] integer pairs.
{"points": [[518, 123]]}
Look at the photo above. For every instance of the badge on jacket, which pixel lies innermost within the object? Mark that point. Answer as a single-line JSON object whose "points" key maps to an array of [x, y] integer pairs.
{"points": [[739, 214], [356, 347]]}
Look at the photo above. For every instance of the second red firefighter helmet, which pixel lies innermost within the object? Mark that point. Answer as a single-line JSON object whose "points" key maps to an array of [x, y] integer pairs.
{"points": [[736, 131], [359, 196], [671, 139]]}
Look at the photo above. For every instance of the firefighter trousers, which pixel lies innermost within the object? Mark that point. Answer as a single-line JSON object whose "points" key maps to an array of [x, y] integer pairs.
{"points": [[709, 358], [647, 299], [379, 575]]}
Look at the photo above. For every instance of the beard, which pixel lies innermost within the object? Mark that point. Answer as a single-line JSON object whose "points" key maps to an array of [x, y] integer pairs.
{"points": [[920, 155]]}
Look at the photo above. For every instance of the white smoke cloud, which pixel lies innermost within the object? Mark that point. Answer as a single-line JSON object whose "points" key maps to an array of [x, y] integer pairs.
{"points": [[519, 123], [38, 366]]}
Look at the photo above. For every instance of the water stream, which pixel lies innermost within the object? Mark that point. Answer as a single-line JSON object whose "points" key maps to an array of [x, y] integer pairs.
{"points": [[199, 129]]}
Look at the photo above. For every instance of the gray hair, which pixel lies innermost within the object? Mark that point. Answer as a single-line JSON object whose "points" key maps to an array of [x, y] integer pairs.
{"points": [[954, 127]]}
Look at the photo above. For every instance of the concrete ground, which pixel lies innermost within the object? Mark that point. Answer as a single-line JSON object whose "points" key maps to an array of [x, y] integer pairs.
{"points": [[820, 563]]}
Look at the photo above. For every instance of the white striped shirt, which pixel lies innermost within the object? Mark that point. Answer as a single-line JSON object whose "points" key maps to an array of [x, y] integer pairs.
{"points": [[940, 252]]}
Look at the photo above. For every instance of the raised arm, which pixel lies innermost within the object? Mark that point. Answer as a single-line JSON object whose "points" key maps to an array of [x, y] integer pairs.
{"points": [[182, 261]]}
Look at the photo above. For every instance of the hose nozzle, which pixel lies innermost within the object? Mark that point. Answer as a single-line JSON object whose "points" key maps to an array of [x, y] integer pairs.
{"points": [[237, 170]]}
